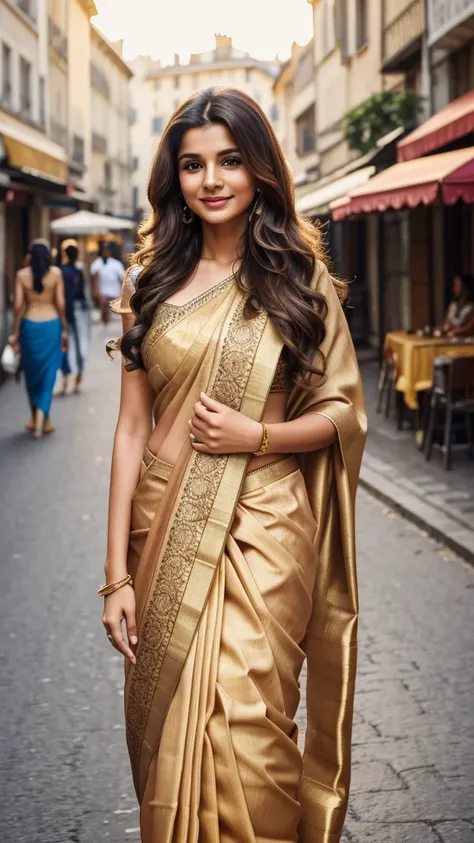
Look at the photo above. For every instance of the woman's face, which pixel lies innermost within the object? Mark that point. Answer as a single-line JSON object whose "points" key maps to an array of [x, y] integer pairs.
{"points": [[215, 183], [458, 287]]}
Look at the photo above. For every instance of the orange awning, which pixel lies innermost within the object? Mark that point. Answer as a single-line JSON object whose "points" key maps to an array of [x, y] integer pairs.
{"points": [[24, 157], [452, 122], [448, 176]]}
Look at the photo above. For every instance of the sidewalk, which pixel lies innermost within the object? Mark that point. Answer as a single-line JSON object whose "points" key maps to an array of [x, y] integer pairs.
{"points": [[394, 470]]}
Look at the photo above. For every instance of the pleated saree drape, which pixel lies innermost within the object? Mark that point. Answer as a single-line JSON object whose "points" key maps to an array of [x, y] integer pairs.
{"points": [[238, 575]]}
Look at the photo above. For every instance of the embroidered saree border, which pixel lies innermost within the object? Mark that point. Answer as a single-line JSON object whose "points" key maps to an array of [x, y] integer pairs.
{"points": [[196, 541], [167, 315]]}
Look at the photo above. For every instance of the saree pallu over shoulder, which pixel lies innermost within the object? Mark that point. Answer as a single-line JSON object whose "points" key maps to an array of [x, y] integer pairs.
{"points": [[331, 477], [205, 498]]}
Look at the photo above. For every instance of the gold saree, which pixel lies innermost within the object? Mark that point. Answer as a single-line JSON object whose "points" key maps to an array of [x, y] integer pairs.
{"points": [[239, 575]]}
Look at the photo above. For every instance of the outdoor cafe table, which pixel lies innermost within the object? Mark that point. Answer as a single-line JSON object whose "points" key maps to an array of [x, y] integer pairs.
{"points": [[415, 356]]}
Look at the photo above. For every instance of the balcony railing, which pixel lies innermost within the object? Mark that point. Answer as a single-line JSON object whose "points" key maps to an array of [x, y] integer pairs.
{"points": [[447, 22], [99, 142], [404, 24], [27, 7], [58, 132], [57, 39]]}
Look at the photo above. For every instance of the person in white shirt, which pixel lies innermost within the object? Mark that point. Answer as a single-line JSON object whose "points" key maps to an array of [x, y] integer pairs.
{"points": [[107, 275]]}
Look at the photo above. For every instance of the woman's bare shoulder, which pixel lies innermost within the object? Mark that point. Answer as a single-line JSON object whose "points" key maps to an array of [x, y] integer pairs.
{"points": [[24, 276], [55, 274]]}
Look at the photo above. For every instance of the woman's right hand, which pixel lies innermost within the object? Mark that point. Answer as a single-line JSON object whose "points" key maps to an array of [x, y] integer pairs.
{"points": [[118, 606], [14, 342]]}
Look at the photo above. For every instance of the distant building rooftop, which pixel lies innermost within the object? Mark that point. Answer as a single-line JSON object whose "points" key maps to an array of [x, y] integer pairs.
{"points": [[223, 57]]}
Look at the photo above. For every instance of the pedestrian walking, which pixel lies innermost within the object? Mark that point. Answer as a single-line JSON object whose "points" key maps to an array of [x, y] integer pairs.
{"points": [[237, 504], [107, 274], [39, 332], [78, 319]]}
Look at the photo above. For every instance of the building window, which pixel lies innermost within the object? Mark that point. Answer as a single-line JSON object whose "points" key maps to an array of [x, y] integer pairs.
{"points": [[176, 104], [306, 132], [78, 151], [157, 124], [327, 27], [107, 177], [177, 82], [274, 113], [361, 24], [156, 85], [6, 75], [135, 163], [135, 197], [25, 87], [42, 101], [132, 115], [248, 74]]}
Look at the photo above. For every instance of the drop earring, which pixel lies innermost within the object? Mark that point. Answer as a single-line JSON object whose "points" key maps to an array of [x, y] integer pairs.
{"points": [[256, 210], [188, 216]]}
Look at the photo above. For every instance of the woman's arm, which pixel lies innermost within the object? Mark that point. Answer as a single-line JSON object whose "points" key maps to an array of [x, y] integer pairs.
{"points": [[447, 324], [132, 433], [19, 309], [221, 430], [464, 330]]}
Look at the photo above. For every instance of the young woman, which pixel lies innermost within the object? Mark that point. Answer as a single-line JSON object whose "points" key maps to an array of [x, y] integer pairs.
{"points": [[231, 525], [459, 320], [78, 319], [39, 332]]}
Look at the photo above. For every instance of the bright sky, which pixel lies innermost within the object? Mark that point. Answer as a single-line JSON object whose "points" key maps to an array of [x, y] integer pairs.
{"points": [[160, 28]]}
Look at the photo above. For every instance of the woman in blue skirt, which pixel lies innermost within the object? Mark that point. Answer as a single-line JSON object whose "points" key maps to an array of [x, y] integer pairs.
{"points": [[39, 332]]}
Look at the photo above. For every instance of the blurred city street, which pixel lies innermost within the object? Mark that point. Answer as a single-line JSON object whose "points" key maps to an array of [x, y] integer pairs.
{"points": [[63, 764]]}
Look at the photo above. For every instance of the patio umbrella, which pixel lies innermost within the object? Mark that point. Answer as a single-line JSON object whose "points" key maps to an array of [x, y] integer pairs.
{"points": [[86, 222]]}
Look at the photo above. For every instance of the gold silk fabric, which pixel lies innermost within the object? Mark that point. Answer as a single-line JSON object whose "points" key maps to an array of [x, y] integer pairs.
{"points": [[238, 576]]}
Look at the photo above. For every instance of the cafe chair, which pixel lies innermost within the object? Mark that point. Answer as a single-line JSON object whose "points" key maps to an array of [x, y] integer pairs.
{"points": [[452, 391], [389, 374]]}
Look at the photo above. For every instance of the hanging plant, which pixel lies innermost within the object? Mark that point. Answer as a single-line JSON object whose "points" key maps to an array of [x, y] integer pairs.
{"points": [[383, 112]]}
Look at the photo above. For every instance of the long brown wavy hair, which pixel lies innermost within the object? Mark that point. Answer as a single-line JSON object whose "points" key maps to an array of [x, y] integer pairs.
{"points": [[277, 254]]}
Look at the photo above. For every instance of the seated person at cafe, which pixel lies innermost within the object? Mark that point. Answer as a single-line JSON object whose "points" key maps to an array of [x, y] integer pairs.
{"points": [[459, 319]]}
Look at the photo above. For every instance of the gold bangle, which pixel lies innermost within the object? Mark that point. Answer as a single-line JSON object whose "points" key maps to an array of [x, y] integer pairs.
{"points": [[110, 587], [264, 444]]}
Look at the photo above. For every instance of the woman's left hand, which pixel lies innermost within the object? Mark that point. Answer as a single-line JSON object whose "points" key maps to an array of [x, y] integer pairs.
{"points": [[217, 429]]}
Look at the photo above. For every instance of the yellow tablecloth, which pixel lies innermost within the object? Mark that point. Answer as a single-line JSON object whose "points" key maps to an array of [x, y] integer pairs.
{"points": [[415, 359]]}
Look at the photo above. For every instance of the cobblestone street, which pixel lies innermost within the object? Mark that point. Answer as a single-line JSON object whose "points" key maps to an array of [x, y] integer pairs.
{"points": [[64, 775]]}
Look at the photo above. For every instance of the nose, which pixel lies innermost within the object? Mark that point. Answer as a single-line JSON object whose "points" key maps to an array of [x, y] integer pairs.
{"points": [[212, 178]]}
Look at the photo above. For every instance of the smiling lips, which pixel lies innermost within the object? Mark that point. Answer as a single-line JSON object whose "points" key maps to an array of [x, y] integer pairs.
{"points": [[216, 201]]}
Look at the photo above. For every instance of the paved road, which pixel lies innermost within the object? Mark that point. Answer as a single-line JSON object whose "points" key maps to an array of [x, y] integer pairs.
{"points": [[64, 774]]}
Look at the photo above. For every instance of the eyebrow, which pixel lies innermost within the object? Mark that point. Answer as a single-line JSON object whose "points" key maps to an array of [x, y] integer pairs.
{"points": [[197, 155]]}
